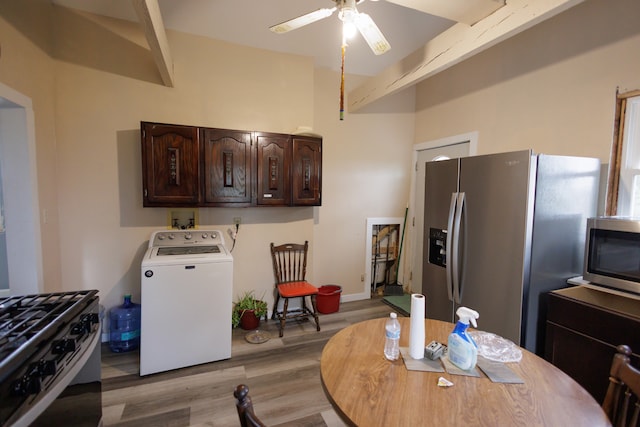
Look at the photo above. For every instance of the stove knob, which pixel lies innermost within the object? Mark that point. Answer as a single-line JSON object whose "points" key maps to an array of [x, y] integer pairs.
{"points": [[204, 235], [87, 323], [161, 237], [29, 384], [83, 326], [43, 368], [188, 236], [63, 346], [171, 236], [47, 367], [92, 318], [214, 235], [78, 328]]}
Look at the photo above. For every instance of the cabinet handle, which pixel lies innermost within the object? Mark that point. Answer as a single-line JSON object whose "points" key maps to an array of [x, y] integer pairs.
{"points": [[227, 158], [174, 166], [273, 173], [306, 180]]}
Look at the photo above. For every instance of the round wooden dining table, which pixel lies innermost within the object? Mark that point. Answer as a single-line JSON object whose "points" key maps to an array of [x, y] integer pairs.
{"points": [[366, 389]]}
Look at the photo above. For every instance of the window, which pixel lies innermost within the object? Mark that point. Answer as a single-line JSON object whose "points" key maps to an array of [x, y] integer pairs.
{"points": [[623, 190]]}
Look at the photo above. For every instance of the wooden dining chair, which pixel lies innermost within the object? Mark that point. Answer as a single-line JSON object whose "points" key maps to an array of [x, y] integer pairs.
{"points": [[290, 269], [621, 401], [245, 408]]}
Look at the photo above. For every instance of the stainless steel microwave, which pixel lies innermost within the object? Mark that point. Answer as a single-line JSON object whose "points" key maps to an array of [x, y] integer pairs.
{"points": [[612, 253]]}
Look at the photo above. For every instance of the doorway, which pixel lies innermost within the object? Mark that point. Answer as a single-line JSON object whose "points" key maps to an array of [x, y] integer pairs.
{"points": [[447, 148], [382, 254], [21, 261]]}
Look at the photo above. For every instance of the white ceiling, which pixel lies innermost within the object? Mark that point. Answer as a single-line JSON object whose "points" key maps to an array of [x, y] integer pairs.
{"points": [[247, 22]]}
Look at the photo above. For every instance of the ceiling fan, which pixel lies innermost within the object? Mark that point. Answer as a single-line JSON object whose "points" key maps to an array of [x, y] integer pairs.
{"points": [[465, 11], [350, 18]]}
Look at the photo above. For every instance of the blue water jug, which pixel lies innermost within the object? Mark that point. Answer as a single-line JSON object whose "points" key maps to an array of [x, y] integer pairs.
{"points": [[124, 321]]}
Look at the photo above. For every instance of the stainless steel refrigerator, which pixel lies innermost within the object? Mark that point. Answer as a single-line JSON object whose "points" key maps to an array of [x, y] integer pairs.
{"points": [[502, 230]]}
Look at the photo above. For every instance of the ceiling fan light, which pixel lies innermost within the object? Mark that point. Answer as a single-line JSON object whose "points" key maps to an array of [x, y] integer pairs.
{"points": [[349, 29]]}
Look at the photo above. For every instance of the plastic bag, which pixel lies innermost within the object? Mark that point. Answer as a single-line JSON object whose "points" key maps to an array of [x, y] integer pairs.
{"points": [[496, 348]]}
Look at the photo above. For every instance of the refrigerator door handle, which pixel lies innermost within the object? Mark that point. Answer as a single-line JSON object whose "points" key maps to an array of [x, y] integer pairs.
{"points": [[448, 259], [455, 258]]}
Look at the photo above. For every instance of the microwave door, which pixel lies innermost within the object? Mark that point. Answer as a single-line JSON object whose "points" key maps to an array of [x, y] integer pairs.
{"points": [[612, 256]]}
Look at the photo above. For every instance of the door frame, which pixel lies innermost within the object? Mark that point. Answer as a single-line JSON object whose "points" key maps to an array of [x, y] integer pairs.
{"points": [[22, 212], [371, 222], [472, 138]]}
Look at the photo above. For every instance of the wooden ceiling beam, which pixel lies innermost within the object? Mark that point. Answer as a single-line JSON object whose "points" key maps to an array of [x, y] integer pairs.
{"points": [[454, 45], [148, 12]]}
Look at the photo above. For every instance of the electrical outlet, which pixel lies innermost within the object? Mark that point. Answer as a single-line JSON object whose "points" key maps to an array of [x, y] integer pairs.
{"points": [[237, 220], [362, 277]]}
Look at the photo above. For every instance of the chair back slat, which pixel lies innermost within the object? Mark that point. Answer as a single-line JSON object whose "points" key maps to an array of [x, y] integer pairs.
{"points": [[623, 391], [289, 262]]}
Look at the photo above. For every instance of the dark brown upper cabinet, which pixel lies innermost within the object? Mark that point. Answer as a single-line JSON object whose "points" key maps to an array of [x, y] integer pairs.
{"points": [[209, 167], [306, 171], [228, 167], [170, 165], [274, 165]]}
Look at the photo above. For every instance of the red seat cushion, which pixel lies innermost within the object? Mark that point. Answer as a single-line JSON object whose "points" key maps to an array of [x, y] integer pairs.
{"points": [[296, 289]]}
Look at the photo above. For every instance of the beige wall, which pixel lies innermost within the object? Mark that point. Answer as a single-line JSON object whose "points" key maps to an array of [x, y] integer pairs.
{"points": [[367, 164], [27, 68], [104, 83], [551, 88]]}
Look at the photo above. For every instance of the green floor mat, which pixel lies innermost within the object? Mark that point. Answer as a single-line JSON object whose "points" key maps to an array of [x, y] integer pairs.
{"points": [[401, 303]]}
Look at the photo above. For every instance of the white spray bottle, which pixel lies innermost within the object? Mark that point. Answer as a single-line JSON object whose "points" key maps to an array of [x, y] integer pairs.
{"points": [[463, 351]]}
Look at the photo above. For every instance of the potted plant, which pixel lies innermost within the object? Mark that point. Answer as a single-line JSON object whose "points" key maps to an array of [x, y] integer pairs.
{"points": [[247, 311]]}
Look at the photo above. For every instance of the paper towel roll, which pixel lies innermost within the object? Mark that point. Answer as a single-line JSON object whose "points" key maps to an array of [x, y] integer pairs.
{"points": [[416, 333]]}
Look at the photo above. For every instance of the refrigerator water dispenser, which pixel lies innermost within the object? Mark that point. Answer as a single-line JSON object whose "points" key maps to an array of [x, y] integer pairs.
{"points": [[438, 247]]}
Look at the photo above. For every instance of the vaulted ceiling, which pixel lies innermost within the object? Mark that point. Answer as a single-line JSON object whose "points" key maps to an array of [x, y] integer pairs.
{"points": [[426, 36]]}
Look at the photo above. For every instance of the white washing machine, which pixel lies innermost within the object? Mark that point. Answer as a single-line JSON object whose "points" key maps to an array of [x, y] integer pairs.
{"points": [[187, 287]]}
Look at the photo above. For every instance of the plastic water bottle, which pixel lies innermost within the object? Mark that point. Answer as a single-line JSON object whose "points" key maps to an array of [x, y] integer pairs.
{"points": [[392, 341], [124, 321]]}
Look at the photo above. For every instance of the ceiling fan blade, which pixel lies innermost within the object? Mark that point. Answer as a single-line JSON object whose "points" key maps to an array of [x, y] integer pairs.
{"points": [[371, 33], [301, 21]]}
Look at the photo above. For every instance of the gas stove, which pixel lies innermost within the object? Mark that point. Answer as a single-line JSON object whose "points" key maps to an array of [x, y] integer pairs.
{"points": [[46, 342]]}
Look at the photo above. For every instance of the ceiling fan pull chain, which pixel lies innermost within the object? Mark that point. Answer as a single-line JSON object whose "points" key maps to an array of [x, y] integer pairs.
{"points": [[344, 47]]}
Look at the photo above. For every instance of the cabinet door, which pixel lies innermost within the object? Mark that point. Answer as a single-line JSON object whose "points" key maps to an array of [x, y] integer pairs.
{"points": [[228, 159], [274, 164], [584, 327], [170, 165], [307, 171]]}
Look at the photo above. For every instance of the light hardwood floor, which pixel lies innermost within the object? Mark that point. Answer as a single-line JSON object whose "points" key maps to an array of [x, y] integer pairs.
{"points": [[283, 375]]}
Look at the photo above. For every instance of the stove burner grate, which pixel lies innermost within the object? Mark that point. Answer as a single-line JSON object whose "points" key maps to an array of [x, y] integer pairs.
{"points": [[28, 322]]}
